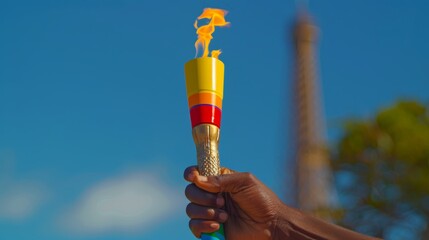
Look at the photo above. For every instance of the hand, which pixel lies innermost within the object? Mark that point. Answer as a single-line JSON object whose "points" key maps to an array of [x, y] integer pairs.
{"points": [[251, 211], [248, 208]]}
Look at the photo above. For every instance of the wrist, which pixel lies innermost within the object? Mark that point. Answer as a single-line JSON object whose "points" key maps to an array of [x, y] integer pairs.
{"points": [[286, 222], [293, 224]]}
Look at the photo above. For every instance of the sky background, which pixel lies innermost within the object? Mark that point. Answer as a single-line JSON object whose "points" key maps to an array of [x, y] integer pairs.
{"points": [[94, 124]]}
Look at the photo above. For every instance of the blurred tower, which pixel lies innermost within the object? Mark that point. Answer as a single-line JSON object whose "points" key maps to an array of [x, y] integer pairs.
{"points": [[312, 185]]}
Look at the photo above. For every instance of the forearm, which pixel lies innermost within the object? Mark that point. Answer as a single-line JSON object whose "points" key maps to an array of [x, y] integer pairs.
{"points": [[293, 224]]}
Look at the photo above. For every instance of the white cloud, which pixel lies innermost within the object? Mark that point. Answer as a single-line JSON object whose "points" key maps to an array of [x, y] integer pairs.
{"points": [[126, 203], [21, 200]]}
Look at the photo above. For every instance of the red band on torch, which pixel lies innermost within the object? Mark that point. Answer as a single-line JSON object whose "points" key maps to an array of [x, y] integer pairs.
{"points": [[205, 114]]}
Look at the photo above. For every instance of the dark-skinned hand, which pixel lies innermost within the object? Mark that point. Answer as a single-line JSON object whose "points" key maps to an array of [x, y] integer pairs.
{"points": [[239, 200], [251, 211]]}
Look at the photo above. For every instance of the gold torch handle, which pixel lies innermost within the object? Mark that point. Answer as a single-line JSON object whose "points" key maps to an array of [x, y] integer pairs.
{"points": [[206, 139]]}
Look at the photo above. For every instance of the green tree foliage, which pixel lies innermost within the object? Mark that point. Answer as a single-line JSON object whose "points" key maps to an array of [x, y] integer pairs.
{"points": [[381, 172]]}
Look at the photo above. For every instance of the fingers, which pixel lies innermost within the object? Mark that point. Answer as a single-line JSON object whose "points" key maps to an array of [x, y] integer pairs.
{"points": [[199, 226], [204, 209], [195, 211], [203, 198]]}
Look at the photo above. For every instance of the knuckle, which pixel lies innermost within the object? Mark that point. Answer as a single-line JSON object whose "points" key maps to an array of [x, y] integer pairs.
{"points": [[191, 225], [249, 177], [187, 171], [189, 190], [189, 209], [219, 179], [194, 228], [216, 180]]}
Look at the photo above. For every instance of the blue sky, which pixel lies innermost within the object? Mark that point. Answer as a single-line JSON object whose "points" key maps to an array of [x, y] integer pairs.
{"points": [[94, 124]]}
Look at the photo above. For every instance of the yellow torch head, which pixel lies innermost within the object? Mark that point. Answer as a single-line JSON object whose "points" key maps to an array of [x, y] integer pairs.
{"points": [[204, 74]]}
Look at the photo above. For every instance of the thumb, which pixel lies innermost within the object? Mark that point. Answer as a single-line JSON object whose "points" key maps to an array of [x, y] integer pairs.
{"points": [[231, 183]]}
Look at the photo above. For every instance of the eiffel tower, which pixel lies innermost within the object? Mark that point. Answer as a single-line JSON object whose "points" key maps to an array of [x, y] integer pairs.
{"points": [[312, 186]]}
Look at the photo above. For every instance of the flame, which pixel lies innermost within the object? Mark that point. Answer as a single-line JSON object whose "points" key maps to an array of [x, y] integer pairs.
{"points": [[216, 53], [217, 19]]}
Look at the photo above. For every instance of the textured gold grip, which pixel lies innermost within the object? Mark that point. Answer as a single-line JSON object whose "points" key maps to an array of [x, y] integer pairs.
{"points": [[206, 139]]}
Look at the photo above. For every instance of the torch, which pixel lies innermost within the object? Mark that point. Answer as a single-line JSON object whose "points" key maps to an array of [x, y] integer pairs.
{"points": [[204, 86]]}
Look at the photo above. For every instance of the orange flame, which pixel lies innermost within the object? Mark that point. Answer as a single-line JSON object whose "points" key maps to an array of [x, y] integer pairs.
{"points": [[217, 19]]}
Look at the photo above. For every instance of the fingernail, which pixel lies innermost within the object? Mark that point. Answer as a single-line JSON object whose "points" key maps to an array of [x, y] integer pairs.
{"points": [[223, 216], [214, 225], [220, 201]]}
